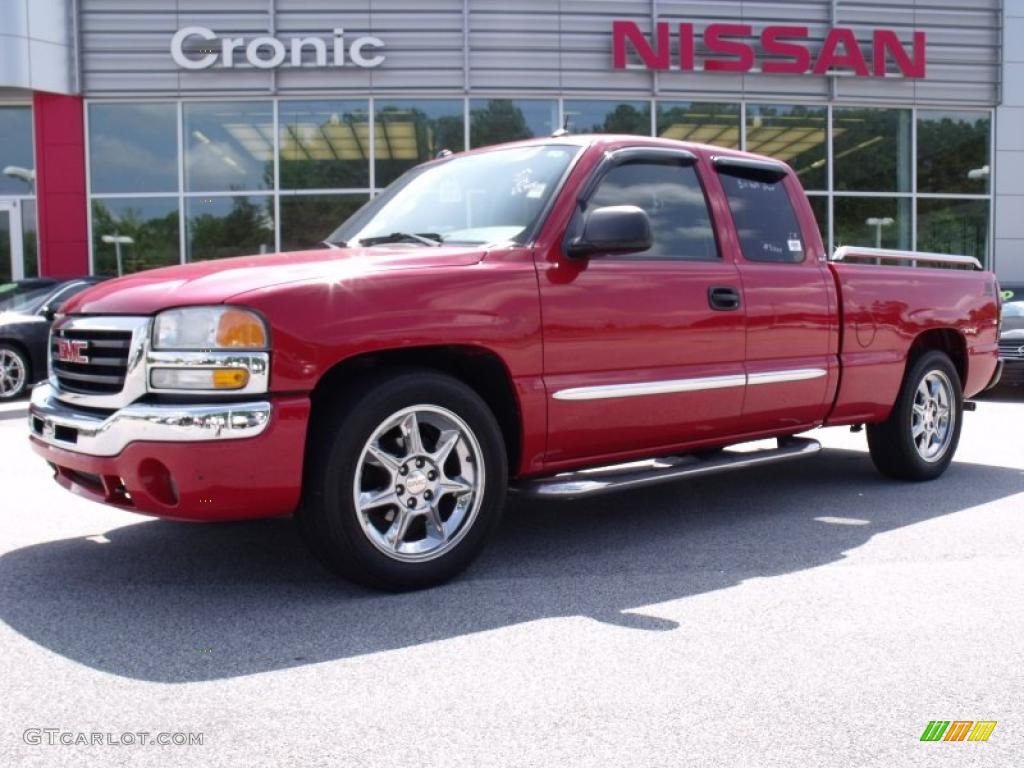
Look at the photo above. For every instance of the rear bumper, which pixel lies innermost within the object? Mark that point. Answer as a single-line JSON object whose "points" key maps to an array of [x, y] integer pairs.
{"points": [[207, 463]]}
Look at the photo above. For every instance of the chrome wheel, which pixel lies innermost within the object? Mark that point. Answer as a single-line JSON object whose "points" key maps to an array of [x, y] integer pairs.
{"points": [[932, 417], [419, 483], [12, 373]]}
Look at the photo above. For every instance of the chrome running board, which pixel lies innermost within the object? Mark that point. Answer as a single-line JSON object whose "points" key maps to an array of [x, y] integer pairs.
{"points": [[621, 477]]}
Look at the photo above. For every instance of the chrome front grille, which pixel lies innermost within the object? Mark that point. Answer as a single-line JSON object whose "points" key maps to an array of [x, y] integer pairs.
{"points": [[103, 365], [1011, 349], [100, 362]]}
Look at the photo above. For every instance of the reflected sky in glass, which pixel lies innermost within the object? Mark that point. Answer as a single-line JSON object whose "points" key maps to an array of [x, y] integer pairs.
{"points": [[133, 147], [16, 148], [229, 146]]}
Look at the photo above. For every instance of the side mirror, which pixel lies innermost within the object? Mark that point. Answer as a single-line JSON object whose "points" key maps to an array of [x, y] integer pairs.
{"points": [[48, 312], [612, 229]]}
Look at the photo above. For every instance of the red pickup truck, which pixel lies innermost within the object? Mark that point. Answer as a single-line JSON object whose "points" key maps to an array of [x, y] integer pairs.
{"points": [[561, 316]]}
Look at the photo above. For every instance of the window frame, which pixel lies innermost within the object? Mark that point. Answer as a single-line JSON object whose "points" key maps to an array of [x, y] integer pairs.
{"points": [[653, 156]]}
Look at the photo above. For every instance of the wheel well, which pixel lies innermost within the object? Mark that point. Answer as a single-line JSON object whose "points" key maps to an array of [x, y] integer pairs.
{"points": [[945, 340], [479, 369]]}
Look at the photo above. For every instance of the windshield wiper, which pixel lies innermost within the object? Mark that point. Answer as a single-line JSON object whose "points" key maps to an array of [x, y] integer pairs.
{"points": [[426, 238]]}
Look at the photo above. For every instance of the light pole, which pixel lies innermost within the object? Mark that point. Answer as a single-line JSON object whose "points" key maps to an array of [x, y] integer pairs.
{"points": [[118, 241], [878, 223], [978, 174], [25, 174]]}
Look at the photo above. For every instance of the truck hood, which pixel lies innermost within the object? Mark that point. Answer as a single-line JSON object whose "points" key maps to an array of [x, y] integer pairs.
{"points": [[214, 282]]}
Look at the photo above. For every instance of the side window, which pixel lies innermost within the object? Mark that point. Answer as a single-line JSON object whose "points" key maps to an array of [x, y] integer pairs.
{"points": [[672, 196], [765, 220]]}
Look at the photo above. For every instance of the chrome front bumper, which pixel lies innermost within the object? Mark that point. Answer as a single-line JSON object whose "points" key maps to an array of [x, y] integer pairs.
{"points": [[61, 426]]}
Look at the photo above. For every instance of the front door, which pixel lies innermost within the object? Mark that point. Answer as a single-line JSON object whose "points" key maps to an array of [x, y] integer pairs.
{"points": [[635, 359], [12, 262]]}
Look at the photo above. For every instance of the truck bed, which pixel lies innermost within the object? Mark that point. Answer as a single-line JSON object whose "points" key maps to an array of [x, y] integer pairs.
{"points": [[886, 305]]}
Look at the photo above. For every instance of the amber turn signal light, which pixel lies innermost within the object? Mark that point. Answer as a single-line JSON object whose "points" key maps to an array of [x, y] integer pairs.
{"points": [[240, 329], [230, 378]]}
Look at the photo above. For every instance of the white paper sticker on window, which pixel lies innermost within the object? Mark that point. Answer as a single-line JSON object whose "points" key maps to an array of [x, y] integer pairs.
{"points": [[795, 246]]}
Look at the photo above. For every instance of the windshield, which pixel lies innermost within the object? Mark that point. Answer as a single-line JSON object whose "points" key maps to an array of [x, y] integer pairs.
{"points": [[474, 199], [19, 297]]}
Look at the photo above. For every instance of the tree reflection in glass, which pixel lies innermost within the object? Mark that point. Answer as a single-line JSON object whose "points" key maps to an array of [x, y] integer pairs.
{"points": [[152, 223], [220, 227]]}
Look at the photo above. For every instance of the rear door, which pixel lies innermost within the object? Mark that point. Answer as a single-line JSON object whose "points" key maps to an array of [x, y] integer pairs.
{"points": [[635, 359], [790, 297]]}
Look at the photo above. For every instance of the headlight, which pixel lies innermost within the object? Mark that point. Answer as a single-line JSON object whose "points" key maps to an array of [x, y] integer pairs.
{"points": [[209, 328]]}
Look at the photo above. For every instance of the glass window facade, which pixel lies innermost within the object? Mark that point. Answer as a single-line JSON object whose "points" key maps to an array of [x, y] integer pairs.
{"points": [[608, 117], [6, 271], [948, 225], [706, 123], [150, 222], [795, 134], [229, 146], [493, 121], [410, 132], [875, 222], [324, 144], [17, 180], [219, 227], [871, 149], [306, 220], [953, 152], [133, 147], [29, 238], [16, 150], [245, 176]]}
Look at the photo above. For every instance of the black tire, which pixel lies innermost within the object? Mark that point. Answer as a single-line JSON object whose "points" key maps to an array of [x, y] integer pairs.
{"points": [[15, 372], [895, 450], [338, 531]]}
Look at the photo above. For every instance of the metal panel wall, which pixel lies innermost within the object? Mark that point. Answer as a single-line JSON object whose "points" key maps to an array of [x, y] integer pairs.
{"points": [[37, 45], [530, 47], [1009, 155]]}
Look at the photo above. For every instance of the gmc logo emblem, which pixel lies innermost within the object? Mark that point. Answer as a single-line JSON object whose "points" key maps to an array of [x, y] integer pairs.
{"points": [[71, 351]]}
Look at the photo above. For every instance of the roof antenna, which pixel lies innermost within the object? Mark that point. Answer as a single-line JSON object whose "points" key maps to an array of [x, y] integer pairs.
{"points": [[564, 130]]}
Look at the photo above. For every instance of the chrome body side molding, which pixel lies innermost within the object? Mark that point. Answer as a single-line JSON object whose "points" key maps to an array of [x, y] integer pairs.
{"points": [[778, 377], [639, 389], [672, 386]]}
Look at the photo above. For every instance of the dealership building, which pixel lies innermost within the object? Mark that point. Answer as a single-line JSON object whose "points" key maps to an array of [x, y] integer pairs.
{"points": [[140, 134]]}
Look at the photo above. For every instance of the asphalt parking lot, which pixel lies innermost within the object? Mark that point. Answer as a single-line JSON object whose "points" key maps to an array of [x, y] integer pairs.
{"points": [[808, 614]]}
